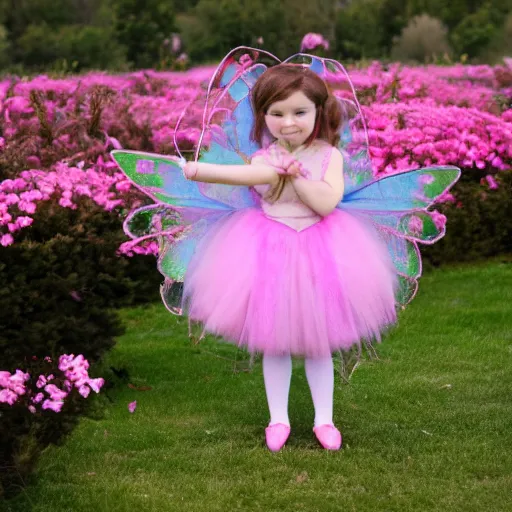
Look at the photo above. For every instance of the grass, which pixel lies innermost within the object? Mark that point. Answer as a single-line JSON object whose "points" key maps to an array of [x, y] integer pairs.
{"points": [[426, 428]]}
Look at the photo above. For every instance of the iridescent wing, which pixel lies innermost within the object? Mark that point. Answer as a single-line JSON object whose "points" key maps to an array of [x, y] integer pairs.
{"points": [[182, 213], [397, 205], [184, 210]]}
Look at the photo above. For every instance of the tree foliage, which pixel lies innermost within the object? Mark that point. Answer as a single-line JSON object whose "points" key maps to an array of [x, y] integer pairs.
{"points": [[115, 34], [141, 27], [421, 40]]}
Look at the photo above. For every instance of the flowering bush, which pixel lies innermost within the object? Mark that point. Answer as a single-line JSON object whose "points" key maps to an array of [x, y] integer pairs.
{"points": [[15, 389], [311, 42], [39, 407]]}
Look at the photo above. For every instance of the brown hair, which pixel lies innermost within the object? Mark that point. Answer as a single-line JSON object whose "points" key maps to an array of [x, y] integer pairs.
{"points": [[280, 82]]}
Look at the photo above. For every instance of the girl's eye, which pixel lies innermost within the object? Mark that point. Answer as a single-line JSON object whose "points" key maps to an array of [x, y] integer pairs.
{"points": [[300, 112], [276, 114]]}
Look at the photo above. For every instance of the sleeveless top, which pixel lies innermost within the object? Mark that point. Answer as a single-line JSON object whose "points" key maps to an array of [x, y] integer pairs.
{"points": [[289, 209]]}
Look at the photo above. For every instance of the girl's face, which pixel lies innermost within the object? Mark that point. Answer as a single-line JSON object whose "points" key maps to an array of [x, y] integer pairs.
{"points": [[292, 121]]}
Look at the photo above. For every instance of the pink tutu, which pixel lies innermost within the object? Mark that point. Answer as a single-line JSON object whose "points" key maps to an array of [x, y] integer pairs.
{"points": [[262, 285]]}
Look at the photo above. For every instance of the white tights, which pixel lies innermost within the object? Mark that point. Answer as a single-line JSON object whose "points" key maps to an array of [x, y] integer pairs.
{"points": [[277, 373]]}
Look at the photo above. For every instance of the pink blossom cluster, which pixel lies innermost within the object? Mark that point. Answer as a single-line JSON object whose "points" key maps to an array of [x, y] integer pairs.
{"points": [[49, 391], [417, 116], [311, 41], [405, 136], [442, 85], [19, 197], [133, 247]]}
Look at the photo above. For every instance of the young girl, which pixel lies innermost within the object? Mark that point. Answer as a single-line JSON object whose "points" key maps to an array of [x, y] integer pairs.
{"points": [[296, 276]]}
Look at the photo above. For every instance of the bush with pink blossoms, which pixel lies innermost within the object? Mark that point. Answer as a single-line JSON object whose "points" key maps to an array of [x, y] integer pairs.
{"points": [[39, 406], [60, 282], [311, 42], [417, 116]]}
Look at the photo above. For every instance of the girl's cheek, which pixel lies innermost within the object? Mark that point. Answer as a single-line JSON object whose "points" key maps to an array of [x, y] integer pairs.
{"points": [[273, 125]]}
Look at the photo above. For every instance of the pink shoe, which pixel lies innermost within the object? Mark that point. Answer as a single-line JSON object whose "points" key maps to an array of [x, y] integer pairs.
{"points": [[276, 435], [328, 436]]}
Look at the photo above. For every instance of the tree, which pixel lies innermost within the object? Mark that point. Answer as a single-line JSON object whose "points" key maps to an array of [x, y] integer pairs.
{"points": [[141, 27], [358, 31], [422, 39], [214, 27], [475, 31]]}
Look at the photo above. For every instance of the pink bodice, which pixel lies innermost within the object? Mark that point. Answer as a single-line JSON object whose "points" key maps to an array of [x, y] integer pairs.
{"points": [[289, 209]]}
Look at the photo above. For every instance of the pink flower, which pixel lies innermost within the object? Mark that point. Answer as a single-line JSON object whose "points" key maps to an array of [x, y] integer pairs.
{"points": [[493, 185], [8, 396], [446, 197], [66, 203], [24, 222], [96, 384], [6, 217], [6, 240], [11, 199], [55, 393], [27, 206], [84, 390], [41, 382], [54, 405], [132, 406], [123, 186], [4, 378], [65, 362], [175, 43], [37, 398], [311, 41], [32, 409], [33, 161], [17, 382]]}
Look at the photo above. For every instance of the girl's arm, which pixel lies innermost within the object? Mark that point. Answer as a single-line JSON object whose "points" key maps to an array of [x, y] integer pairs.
{"points": [[323, 196], [255, 173]]}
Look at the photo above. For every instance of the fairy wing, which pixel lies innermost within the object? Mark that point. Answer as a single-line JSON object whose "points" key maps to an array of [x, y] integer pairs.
{"points": [[182, 212], [397, 205]]}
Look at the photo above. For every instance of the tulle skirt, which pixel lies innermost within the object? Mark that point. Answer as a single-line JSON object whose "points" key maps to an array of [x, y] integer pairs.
{"points": [[264, 286]]}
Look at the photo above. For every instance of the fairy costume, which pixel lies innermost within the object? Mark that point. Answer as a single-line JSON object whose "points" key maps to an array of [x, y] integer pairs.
{"points": [[275, 277]]}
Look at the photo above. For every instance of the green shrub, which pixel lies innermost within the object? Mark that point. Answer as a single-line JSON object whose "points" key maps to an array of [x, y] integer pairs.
{"points": [[70, 48], [59, 284], [479, 222], [476, 31], [421, 40]]}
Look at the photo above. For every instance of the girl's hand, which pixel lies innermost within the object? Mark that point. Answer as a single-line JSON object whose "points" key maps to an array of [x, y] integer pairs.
{"points": [[296, 169], [284, 163], [190, 170]]}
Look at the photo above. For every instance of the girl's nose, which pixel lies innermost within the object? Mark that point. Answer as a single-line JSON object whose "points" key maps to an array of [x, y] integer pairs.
{"points": [[287, 121]]}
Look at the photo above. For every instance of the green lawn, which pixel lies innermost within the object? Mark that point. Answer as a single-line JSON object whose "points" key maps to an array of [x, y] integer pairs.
{"points": [[426, 428]]}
